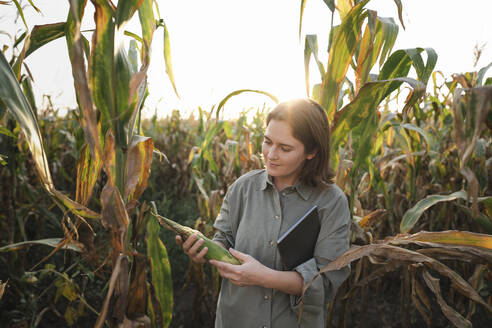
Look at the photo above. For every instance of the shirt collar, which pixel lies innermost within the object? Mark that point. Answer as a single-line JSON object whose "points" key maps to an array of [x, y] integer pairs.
{"points": [[265, 180], [303, 189]]}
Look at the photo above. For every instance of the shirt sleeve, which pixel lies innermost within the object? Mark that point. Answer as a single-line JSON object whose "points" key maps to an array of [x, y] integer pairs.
{"points": [[333, 241], [223, 224]]}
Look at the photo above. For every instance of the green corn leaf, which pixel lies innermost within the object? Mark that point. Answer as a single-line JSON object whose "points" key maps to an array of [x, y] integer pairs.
{"points": [[88, 170], [376, 42], [237, 92], [125, 11], [400, 10], [147, 21], [344, 7], [14, 99], [42, 34], [316, 94], [134, 36], [167, 58], [39, 36], [390, 33], [127, 97], [28, 92], [397, 65], [102, 71], [12, 96], [330, 4], [17, 39], [311, 48], [423, 71], [361, 120], [343, 47], [207, 154], [160, 271], [74, 17], [35, 8], [134, 125], [366, 49], [52, 242], [133, 56], [420, 131], [21, 13], [481, 74], [411, 217], [127, 100], [7, 132], [138, 85], [123, 74], [484, 220]]}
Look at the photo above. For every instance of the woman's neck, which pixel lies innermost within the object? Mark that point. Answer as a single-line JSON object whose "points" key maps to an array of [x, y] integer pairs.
{"points": [[281, 184]]}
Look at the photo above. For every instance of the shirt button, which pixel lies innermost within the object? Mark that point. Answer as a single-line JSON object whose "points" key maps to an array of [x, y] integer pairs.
{"points": [[277, 217], [272, 243], [265, 297], [264, 327]]}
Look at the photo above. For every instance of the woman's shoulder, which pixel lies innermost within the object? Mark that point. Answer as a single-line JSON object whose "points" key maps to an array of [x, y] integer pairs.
{"points": [[252, 177], [332, 194], [330, 190]]}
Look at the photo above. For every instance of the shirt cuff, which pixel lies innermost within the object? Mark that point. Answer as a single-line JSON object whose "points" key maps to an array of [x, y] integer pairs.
{"points": [[314, 297]]}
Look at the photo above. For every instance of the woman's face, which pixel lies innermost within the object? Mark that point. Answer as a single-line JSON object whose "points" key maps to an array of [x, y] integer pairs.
{"points": [[284, 155]]}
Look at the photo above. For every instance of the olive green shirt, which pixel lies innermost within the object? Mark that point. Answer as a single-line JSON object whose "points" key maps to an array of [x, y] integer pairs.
{"points": [[253, 216]]}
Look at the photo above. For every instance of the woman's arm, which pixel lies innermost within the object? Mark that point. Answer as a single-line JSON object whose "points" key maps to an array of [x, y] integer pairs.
{"points": [[253, 273]]}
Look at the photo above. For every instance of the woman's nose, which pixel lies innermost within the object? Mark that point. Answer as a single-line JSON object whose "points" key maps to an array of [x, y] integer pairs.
{"points": [[273, 153]]}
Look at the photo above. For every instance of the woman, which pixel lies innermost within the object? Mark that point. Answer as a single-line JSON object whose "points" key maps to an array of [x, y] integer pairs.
{"points": [[260, 206]]}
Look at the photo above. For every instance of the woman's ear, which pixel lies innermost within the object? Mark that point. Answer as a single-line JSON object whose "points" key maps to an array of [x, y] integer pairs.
{"points": [[312, 155]]}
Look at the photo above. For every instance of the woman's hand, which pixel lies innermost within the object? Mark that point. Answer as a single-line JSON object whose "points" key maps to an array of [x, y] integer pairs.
{"points": [[191, 247], [249, 273], [253, 273]]}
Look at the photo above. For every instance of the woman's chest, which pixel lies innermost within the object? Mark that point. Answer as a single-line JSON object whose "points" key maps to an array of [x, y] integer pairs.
{"points": [[263, 219]]}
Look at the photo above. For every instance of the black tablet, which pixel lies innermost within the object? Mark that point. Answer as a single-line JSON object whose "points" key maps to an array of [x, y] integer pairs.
{"points": [[296, 245]]}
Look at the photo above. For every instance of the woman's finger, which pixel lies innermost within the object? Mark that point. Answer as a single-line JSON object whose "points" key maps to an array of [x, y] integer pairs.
{"points": [[179, 240], [200, 257], [202, 253], [189, 242], [196, 246]]}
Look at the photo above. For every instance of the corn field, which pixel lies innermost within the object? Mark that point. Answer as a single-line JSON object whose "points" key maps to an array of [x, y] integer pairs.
{"points": [[80, 242]]}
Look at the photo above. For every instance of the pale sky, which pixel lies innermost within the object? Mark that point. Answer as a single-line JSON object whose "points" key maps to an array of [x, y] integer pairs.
{"points": [[219, 46]]}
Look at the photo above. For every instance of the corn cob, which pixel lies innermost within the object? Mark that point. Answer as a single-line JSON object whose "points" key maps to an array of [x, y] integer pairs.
{"points": [[215, 251]]}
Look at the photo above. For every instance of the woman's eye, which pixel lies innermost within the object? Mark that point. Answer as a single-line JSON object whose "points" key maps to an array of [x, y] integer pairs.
{"points": [[286, 149], [265, 141]]}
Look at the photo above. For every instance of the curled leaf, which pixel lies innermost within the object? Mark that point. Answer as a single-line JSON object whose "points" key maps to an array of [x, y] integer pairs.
{"points": [[138, 162]]}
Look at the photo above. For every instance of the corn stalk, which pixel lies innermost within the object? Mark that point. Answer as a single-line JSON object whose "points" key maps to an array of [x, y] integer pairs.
{"points": [[381, 152], [110, 93]]}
